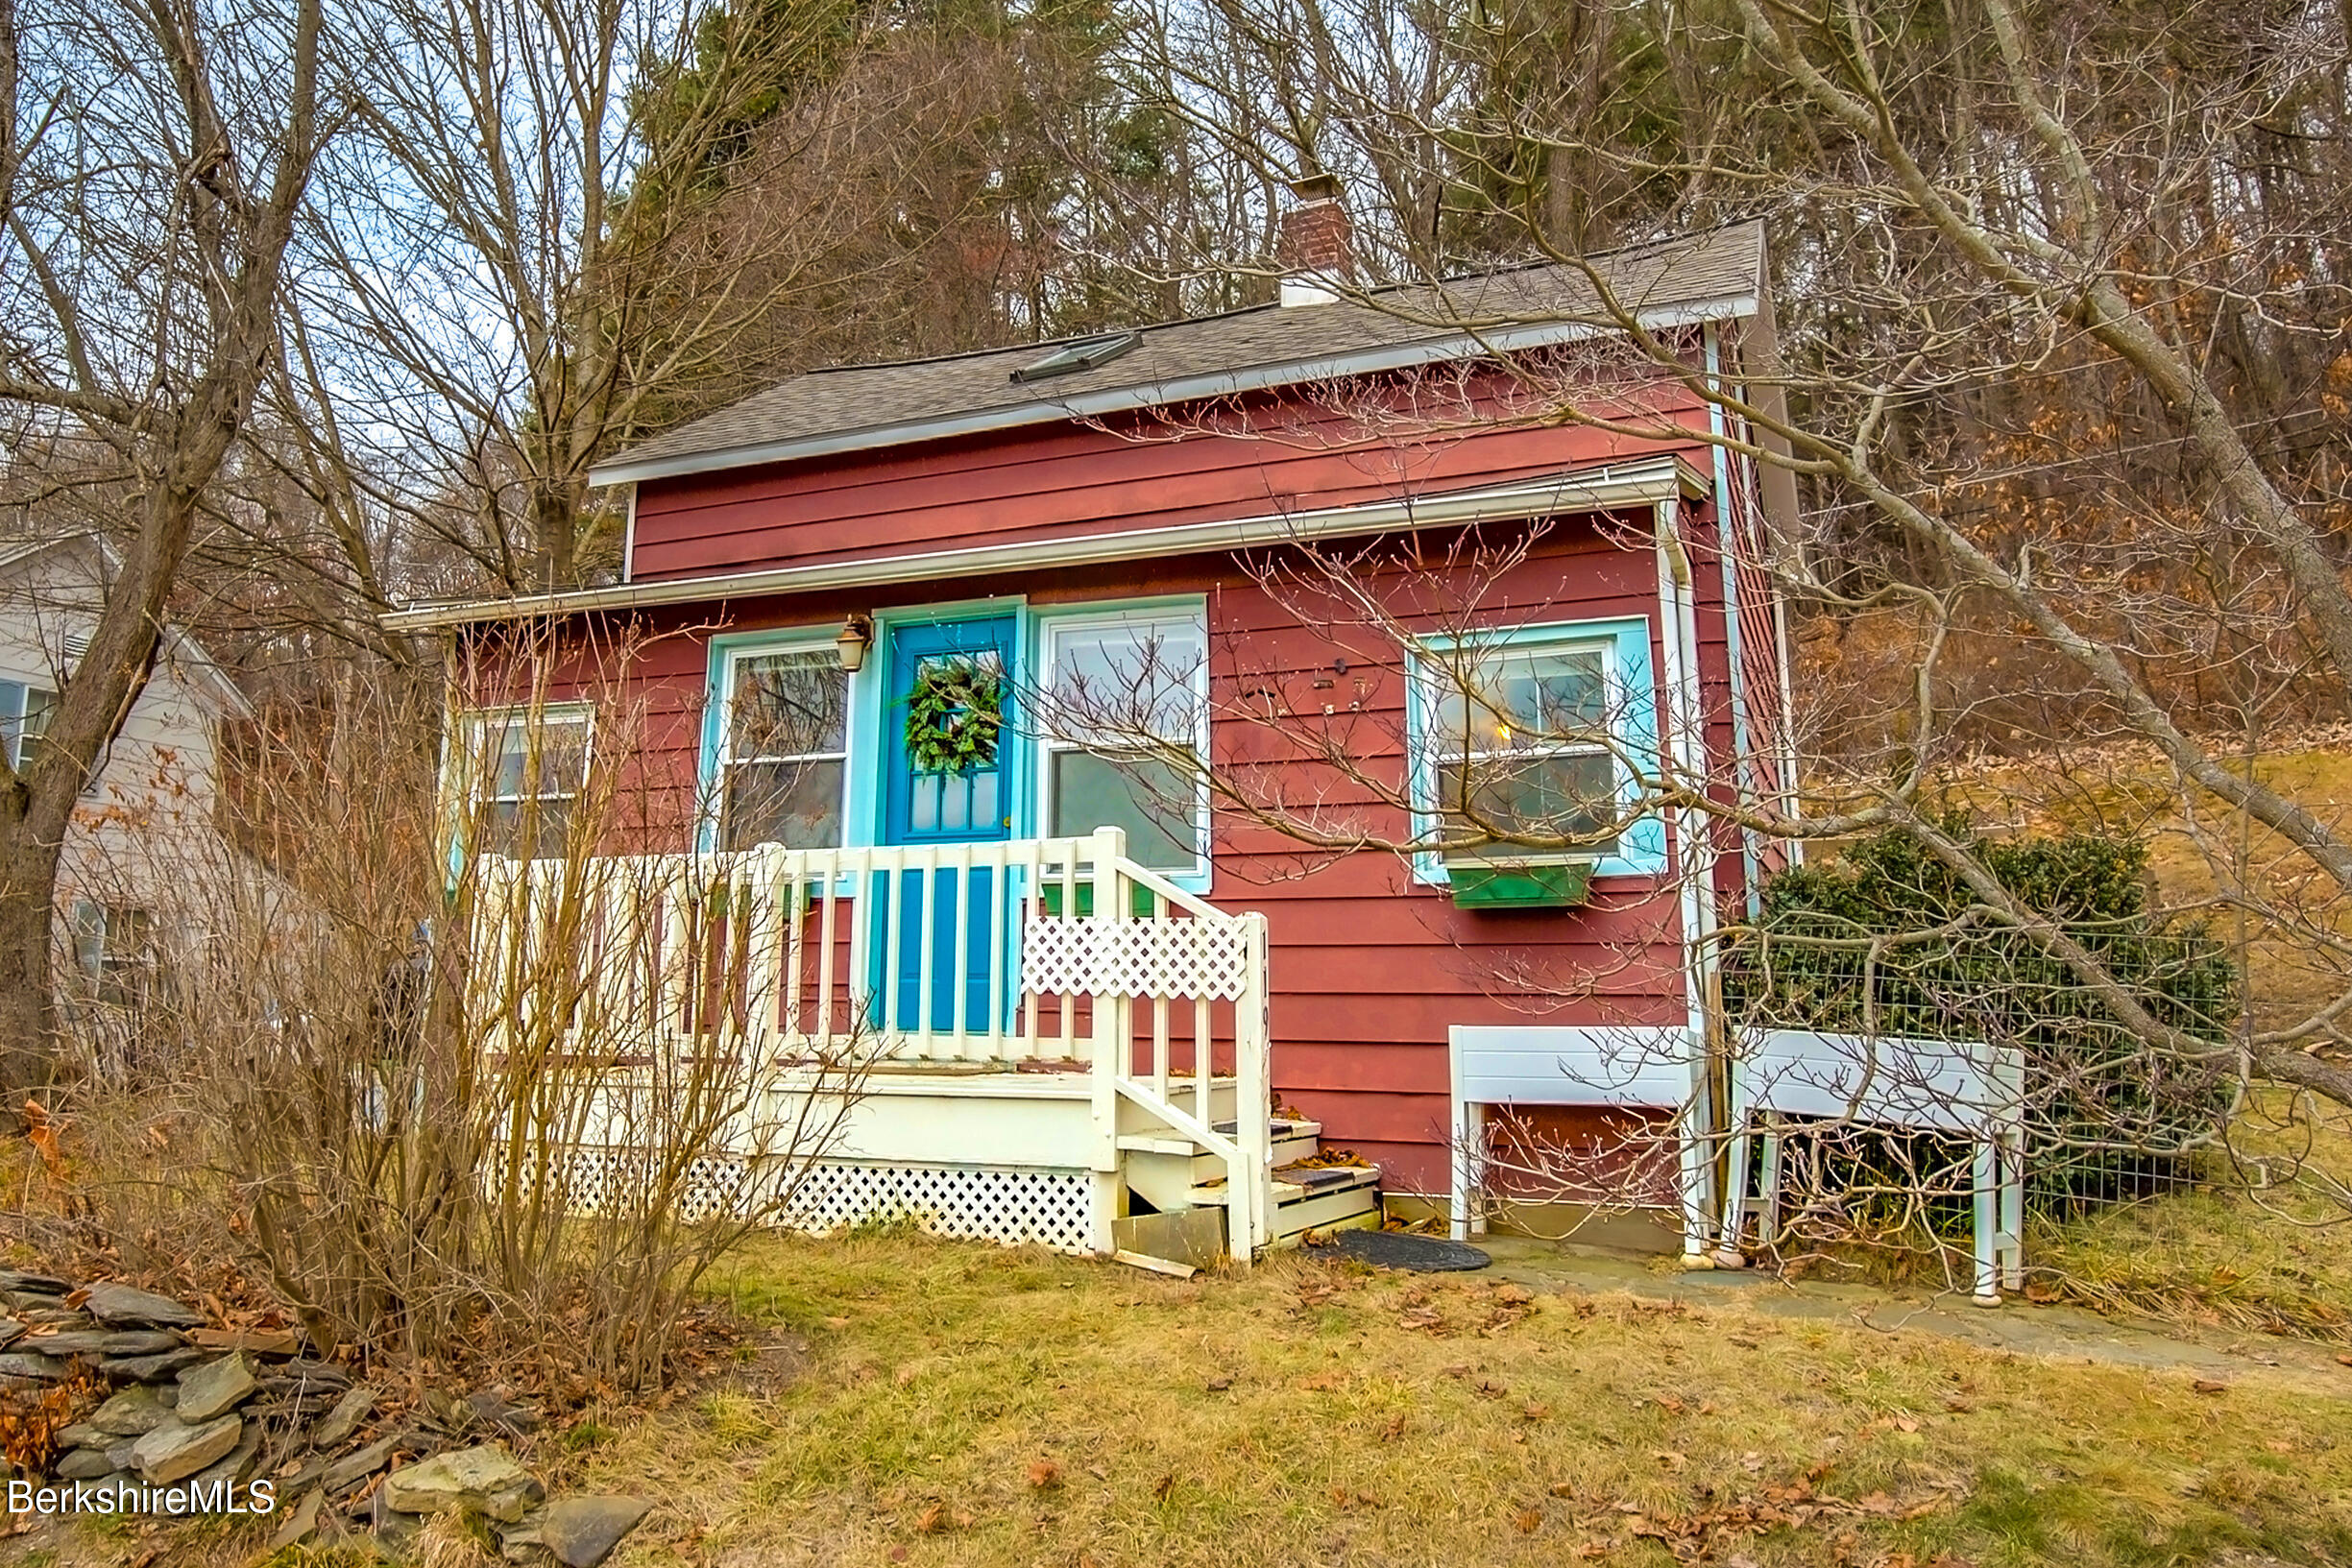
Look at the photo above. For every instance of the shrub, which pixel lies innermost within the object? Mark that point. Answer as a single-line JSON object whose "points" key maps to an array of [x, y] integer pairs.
{"points": [[1886, 940]]}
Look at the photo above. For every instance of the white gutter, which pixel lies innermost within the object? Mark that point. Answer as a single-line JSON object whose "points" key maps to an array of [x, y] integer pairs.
{"points": [[1468, 344], [1648, 481]]}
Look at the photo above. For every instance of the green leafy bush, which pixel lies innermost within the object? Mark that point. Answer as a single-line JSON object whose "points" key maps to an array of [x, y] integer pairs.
{"points": [[2107, 1109]]}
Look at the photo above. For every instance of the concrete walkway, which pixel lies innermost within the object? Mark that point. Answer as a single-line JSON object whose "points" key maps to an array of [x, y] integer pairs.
{"points": [[2018, 1327]]}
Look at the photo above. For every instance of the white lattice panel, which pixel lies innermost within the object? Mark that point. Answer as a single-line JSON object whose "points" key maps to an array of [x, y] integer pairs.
{"points": [[1011, 1207], [1062, 956], [1014, 1208]]}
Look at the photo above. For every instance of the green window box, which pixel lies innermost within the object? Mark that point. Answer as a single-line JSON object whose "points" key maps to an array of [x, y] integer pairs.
{"points": [[1501, 886]]}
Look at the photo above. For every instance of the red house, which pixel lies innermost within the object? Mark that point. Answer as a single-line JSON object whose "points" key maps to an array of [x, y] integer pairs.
{"points": [[1387, 670]]}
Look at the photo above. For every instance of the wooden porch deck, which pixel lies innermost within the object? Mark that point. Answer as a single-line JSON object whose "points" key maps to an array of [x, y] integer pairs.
{"points": [[982, 1061]]}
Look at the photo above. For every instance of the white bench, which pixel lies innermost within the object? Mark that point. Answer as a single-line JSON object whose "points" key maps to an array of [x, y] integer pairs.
{"points": [[1614, 1067], [1967, 1090]]}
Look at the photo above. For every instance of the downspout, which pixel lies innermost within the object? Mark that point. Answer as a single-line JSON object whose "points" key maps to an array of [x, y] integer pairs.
{"points": [[628, 539], [1726, 531], [1694, 866]]}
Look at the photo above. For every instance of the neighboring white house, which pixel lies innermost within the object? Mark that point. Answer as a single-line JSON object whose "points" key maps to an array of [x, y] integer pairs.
{"points": [[146, 822]]}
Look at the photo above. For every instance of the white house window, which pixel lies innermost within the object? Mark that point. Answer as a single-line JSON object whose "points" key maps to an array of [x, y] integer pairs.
{"points": [[1126, 720], [531, 764], [1519, 756], [114, 949], [783, 748], [24, 719]]}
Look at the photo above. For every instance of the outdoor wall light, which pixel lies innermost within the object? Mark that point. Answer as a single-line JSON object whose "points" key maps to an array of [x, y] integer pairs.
{"points": [[857, 632]]}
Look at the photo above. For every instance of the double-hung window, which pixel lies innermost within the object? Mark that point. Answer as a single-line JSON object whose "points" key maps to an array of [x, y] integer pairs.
{"points": [[526, 768], [1526, 741], [1124, 721], [24, 719], [783, 748]]}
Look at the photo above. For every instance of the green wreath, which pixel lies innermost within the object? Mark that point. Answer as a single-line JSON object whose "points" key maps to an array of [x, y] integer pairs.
{"points": [[954, 716]]}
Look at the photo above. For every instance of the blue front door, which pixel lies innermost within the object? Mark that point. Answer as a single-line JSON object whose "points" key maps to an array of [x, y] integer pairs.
{"points": [[951, 781]]}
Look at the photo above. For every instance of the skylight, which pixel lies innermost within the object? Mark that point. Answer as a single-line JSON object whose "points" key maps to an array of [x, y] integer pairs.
{"points": [[1082, 355]]}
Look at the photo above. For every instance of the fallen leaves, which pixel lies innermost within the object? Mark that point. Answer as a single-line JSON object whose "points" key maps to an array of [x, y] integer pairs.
{"points": [[2210, 1386], [1043, 1475], [1711, 1532]]}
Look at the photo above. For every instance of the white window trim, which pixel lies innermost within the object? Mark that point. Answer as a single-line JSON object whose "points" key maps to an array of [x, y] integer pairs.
{"points": [[12, 724], [1633, 731], [478, 732], [1193, 616], [722, 752]]}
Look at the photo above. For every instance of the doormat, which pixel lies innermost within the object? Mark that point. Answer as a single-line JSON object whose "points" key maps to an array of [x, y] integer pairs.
{"points": [[1418, 1254]]}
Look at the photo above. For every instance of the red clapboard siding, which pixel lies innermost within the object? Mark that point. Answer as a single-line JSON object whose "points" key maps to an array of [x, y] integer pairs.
{"points": [[1369, 968], [1070, 479]]}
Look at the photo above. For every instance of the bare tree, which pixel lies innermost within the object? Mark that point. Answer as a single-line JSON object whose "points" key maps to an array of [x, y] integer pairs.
{"points": [[153, 159], [2061, 379]]}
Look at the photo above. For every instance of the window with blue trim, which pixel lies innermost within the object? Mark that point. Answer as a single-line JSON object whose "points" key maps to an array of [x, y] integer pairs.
{"points": [[1528, 747], [783, 748]]}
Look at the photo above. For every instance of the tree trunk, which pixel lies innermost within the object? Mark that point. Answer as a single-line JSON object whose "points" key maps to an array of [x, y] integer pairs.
{"points": [[28, 1000]]}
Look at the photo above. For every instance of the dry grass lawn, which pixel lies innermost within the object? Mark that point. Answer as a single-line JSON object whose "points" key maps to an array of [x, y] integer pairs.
{"points": [[963, 1406]]}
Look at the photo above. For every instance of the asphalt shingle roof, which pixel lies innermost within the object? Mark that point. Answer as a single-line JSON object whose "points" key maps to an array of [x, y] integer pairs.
{"points": [[887, 400]]}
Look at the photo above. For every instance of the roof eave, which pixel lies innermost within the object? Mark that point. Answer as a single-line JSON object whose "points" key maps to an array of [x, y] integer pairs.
{"points": [[1645, 481], [1155, 394]]}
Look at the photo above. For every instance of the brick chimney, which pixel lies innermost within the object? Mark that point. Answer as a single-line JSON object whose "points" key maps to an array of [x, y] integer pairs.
{"points": [[1315, 244]]}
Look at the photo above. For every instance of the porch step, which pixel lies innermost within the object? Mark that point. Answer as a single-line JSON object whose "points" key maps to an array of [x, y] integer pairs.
{"points": [[1329, 1197], [1313, 1197], [1176, 1177], [1293, 1141]]}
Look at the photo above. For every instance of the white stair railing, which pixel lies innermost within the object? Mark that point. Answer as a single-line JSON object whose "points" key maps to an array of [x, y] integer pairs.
{"points": [[1045, 952], [1171, 981]]}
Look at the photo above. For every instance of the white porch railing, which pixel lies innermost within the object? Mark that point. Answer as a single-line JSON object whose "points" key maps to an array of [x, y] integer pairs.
{"points": [[1023, 954]]}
